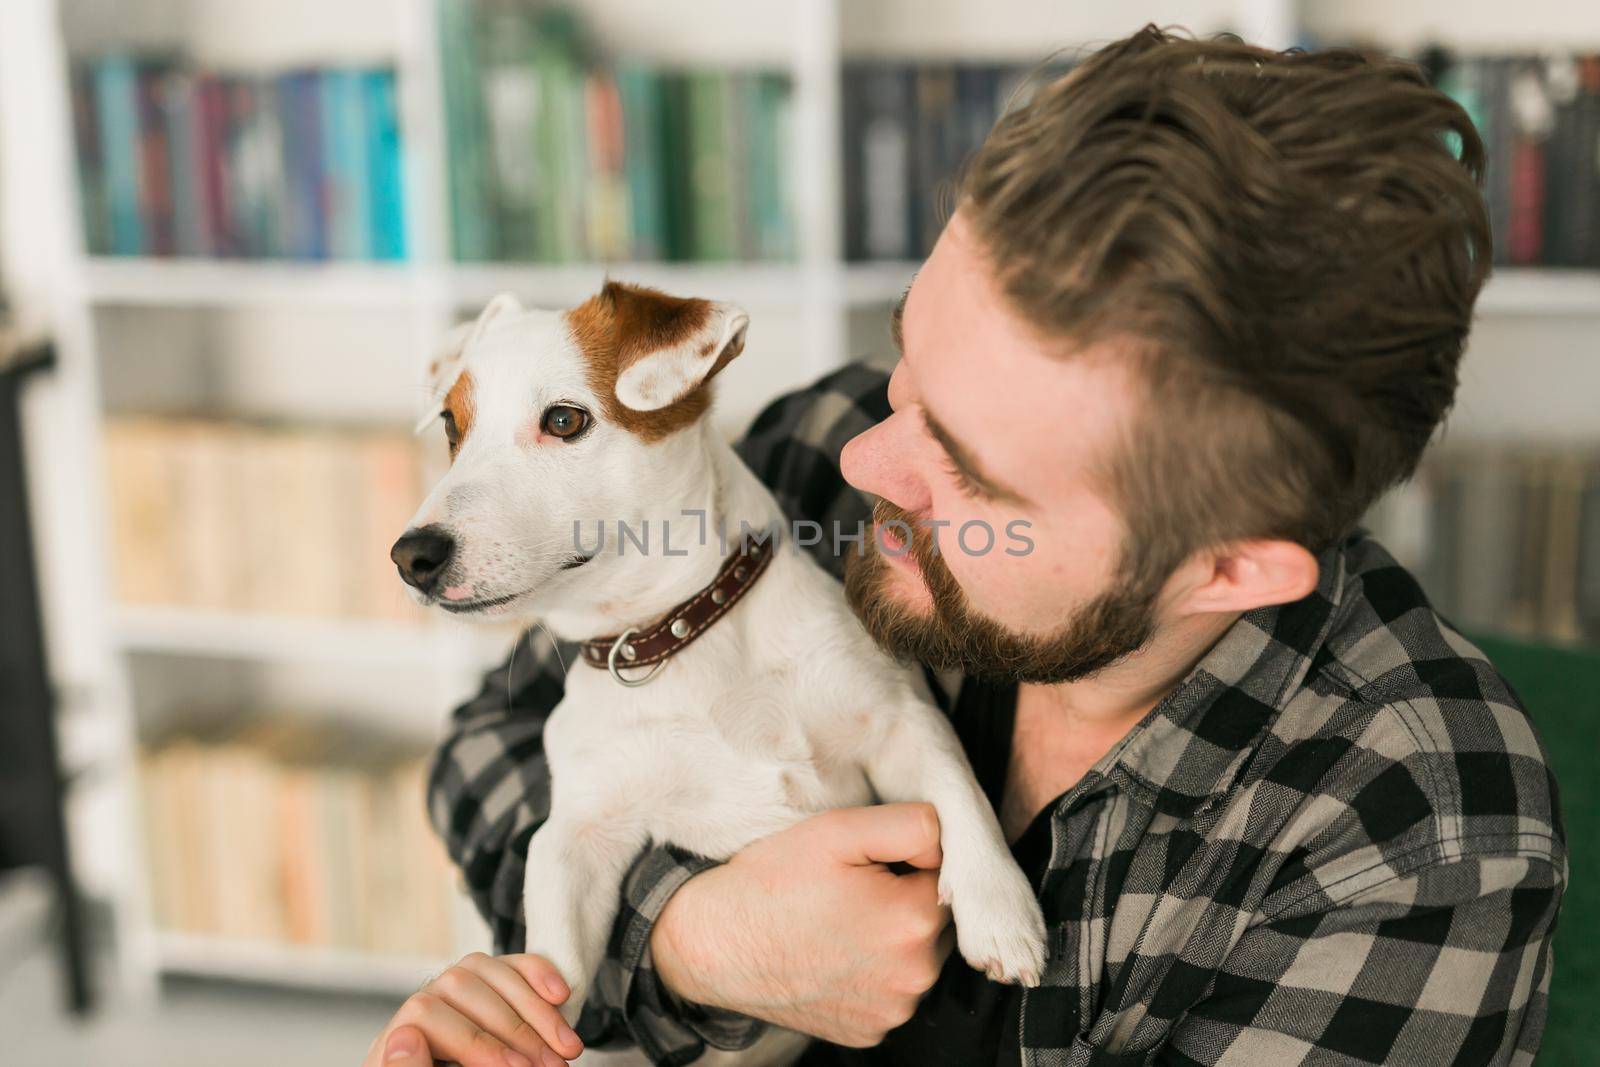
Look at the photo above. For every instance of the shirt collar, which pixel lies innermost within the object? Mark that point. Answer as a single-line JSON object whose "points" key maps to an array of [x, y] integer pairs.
{"points": [[1190, 747]]}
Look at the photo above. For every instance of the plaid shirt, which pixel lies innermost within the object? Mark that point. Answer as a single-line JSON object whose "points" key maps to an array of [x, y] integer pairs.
{"points": [[1336, 841]]}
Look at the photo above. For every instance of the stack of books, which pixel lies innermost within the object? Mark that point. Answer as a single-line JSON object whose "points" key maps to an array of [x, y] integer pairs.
{"points": [[238, 517], [1539, 117], [555, 157], [178, 161], [1504, 539], [278, 831], [908, 131]]}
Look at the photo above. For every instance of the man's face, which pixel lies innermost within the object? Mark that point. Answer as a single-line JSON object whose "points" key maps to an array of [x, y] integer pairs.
{"points": [[990, 458]]}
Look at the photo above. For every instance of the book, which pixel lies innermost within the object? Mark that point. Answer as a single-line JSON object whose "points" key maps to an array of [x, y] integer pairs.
{"points": [[386, 210], [639, 92], [91, 175], [116, 106], [347, 173], [880, 212], [710, 193], [472, 207]]}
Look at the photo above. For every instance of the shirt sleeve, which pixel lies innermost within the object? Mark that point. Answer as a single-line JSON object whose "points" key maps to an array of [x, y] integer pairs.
{"points": [[489, 784], [1448, 965]]}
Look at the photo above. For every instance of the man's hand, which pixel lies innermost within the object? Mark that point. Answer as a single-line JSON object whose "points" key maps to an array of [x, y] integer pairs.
{"points": [[811, 930], [486, 1011]]}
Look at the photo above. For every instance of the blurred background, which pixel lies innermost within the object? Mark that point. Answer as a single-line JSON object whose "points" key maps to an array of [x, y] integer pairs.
{"points": [[231, 232]]}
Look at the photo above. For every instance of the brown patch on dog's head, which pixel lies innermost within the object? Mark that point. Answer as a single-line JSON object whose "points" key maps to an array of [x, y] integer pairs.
{"points": [[624, 325], [459, 409]]}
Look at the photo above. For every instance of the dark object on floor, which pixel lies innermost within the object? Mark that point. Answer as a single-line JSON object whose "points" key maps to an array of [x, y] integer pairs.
{"points": [[32, 785]]}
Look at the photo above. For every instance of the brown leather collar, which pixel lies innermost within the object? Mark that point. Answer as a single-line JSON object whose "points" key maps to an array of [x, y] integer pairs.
{"points": [[684, 623]]}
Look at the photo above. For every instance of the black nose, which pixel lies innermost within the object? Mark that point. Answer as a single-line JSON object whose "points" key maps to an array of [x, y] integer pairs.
{"points": [[422, 555]]}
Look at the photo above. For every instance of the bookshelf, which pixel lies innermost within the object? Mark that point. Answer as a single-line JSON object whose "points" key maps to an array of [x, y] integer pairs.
{"points": [[162, 630], [335, 970], [816, 305]]}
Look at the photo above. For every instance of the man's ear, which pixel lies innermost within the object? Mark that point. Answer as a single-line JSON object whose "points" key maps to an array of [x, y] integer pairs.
{"points": [[667, 346], [1244, 575], [445, 366]]}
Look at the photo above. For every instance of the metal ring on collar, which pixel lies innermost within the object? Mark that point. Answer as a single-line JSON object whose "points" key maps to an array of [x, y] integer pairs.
{"points": [[611, 661]]}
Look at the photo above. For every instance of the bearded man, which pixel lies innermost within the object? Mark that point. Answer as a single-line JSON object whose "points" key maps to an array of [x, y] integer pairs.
{"points": [[1198, 306]]}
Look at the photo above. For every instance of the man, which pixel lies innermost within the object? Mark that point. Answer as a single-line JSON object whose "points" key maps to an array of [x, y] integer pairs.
{"points": [[1200, 304]]}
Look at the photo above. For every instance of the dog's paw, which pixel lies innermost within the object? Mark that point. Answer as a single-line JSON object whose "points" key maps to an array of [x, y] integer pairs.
{"points": [[572, 1007], [999, 927]]}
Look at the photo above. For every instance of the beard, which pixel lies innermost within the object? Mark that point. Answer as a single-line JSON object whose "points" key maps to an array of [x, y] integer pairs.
{"points": [[954, 636]]}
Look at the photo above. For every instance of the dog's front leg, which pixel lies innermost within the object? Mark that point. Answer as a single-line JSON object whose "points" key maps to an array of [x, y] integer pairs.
{"points": [[571, 888], [999, 927]]}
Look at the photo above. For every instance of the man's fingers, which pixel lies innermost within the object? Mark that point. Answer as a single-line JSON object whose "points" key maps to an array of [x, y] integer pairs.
{"points": [[541, 974], [404, 1047], [919, 890], [541, 1023], [884, 833], [456, 1035]]}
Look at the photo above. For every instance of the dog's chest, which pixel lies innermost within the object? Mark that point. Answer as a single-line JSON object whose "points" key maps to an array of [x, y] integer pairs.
{"points": [[710, 771]]}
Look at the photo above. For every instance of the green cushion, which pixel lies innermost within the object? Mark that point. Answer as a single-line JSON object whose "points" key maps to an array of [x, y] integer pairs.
{"points": [[1561, 689]]}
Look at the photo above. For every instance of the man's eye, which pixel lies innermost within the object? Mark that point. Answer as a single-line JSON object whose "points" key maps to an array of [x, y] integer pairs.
{"points": [[564, 421], [964, 485]]}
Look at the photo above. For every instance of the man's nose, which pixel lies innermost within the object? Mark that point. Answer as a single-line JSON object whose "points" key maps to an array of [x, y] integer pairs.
{"points": [[881, 462], [422, 555]]}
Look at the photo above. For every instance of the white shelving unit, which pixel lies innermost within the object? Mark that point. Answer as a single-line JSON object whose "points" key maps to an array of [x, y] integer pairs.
{"points": [[93, 639]]}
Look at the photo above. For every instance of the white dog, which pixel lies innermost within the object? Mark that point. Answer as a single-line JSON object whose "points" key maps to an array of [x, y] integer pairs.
{"points": [[776, 707]]}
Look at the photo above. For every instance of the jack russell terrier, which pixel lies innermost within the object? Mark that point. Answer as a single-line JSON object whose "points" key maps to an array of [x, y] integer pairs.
{"points": [[727, 692]]}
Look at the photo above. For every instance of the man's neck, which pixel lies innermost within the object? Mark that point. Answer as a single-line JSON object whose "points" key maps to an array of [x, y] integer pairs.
{"points": [[1115, 699], [1062, 730]]}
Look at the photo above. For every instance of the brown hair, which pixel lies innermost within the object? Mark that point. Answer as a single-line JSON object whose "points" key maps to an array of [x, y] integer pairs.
{"points": [[1291, 242]]}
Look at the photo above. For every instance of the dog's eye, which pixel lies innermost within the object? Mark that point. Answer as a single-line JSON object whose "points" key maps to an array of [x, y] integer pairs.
{"points": [[564, 421], [451, 433]]}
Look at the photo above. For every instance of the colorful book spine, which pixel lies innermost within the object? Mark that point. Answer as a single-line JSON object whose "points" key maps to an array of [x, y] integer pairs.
{"points": [[91, 173], [639, 88], [116, 98], [345, 175], [472, 210], [386, 211], [155, 165]]}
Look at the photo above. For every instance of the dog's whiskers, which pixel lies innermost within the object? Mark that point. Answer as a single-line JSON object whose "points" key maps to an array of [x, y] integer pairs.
{"points": [[511, 666], [555, 646]]}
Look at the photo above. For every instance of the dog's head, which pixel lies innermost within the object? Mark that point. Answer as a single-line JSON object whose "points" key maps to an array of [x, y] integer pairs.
{"points": [[556, 419]]}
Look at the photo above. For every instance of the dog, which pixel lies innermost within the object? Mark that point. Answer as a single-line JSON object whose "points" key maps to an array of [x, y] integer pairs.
{"points": [[778, 706]]}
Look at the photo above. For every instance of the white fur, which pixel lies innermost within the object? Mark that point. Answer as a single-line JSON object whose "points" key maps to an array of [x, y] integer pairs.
{"points": [[782, 709]]}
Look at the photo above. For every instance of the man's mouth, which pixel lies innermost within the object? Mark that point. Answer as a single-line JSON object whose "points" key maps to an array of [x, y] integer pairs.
{"points": [[894, 547]]}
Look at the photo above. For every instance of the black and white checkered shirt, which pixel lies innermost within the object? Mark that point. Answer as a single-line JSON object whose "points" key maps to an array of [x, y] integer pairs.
{"points": [[1336, 841]]}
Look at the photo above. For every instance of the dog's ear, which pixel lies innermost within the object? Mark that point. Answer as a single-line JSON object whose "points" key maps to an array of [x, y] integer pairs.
{"points": [[669, 346], [445, 366]]}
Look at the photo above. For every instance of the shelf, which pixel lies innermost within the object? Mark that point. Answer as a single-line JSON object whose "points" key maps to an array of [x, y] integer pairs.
{"points": [[189, 632], [232, 283], [146, 282], [753, 284], [141, 281], [878, 283], [1541, 291], [300, 966], [150, 282]]}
